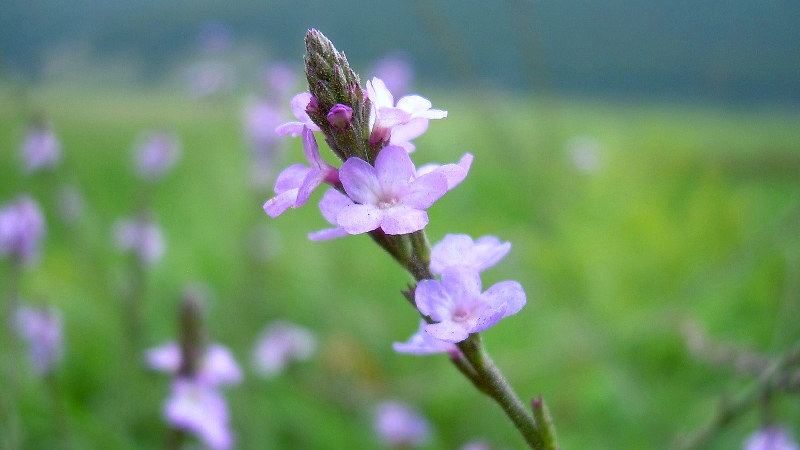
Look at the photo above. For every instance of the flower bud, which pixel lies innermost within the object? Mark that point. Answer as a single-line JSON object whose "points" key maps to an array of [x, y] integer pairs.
{"points": [[340, 116]]}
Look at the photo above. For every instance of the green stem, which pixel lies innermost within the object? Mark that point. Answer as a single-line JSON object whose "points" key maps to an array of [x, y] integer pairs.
{"points": [[496, 387]]}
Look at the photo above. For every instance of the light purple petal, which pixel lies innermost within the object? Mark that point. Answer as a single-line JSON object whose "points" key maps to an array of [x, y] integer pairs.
{"points": [[432, 114], [165, 358], [509, 293], [332, 202], [298, 104], [486, 317], [357, 219], [378, 94], [403, 220], [422, 343], [414, 103], [424, 191], [433, 300], [408, 131], [277, 205], [390, 117], [290, 128], [291, 178], [394, 169], [488, 251], [327, 234], [311, 150], [360, 181], [459, 250], [310, 182], [219, 367], [463, 284], [448, 331]]}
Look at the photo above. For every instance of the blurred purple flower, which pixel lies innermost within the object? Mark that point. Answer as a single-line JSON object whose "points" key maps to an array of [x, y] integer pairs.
{"points": [[217, 368], [389, 195], [207, 78], [156, 153], [140, 237], [397, 425], [280, 79], [770, 438], [40, 149], [398, 125], [396, 73], [201, 410], [459, 250], [299, 104], [280, 344], [22, 227], [422, 343], [296, 182], [261, 119], [460, 308], [332, 202], [41, 329]]}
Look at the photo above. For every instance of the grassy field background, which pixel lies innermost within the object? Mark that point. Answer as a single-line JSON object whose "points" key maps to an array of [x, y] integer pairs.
{"points": [[691, 216]]}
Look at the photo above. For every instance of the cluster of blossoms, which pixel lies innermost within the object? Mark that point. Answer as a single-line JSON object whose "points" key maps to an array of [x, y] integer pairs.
{"points": [[380, 191], [196, 404], [41, 329], [21, 229]]}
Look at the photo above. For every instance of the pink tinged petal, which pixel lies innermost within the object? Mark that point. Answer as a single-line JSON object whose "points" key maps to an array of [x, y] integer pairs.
{"points": [[290, 128], [414, 103], [291, 178], [488, 251], [357, 219], [448, 331], [311, 151], [360, 181], [423, 192], [327, 234], [508, 293], [332, 202], [408, 131], [463, 284], [378, 94], [433, 300], [403, 220], [450, 251], [277, 205], [394, 169]]}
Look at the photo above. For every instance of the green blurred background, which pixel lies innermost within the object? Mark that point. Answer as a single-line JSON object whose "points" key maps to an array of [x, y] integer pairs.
{"points": [[686, 212]]}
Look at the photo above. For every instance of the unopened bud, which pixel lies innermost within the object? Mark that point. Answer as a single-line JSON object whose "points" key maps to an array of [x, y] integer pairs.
{"points": [[340, 116]]}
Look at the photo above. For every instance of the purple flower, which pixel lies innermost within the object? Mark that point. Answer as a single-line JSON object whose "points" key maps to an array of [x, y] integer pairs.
{"points": [[40, 150], [395, 71], [398, 425], [331, 204], [296, 182], [455, 173], [460, 308], [140, 237], [299, 104], [200, 410], [207, 78], [41, 329], [770, 438], [397, 125], [279, 344], [280, 79], [261, 118], [21, 229], [340, 116], [460, 250], [390, 196], [156, 153], [422, 343], [217, 368]]}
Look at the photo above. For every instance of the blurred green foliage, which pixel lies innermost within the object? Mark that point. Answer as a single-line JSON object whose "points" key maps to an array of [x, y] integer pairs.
{"points": [[690, 215]]}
